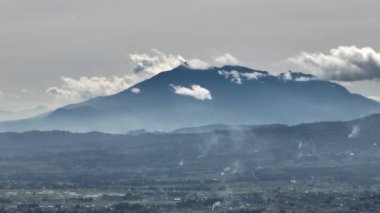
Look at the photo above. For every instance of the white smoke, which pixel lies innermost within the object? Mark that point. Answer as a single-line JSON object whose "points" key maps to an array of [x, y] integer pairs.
{"points": [[216, 204], [355, 132]]}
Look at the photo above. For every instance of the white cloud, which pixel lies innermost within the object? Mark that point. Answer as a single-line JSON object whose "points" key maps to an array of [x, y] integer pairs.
{"points": [[303, 79], [135, 90], [152, 64], [238, 77], [251, 75], [287, 76], [226, 59], [88, 87], [158, 62], [197, 64], [194, 91], [144, 66], [345, 63], [375, 98], [233, 75]]}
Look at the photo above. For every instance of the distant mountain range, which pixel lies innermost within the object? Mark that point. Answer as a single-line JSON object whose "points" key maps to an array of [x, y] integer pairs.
{"points": [[23, 114], [185, 97], [320, 142]]}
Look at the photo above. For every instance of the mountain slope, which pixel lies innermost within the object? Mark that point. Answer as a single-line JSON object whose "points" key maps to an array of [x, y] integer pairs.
{"points": [[29, 113], [320, 139], [237, 95]]}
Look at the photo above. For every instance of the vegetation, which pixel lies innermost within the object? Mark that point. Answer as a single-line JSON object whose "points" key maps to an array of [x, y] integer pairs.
{"points": [[259, 169]]}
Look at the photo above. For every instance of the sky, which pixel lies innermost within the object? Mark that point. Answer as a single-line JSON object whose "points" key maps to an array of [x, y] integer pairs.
{"points": [[54, 52]]}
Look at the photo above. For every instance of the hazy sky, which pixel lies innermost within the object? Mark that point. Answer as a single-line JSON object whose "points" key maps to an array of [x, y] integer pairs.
{"points": [[42, 41]]}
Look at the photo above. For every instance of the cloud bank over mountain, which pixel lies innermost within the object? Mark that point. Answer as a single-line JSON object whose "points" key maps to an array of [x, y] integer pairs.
{"points": [[144, 66], [89, 87], [345, 63], [185, 97]]}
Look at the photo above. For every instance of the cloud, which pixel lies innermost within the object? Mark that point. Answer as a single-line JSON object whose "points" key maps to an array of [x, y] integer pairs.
{"points": [[155, 62], [375, 98], [194, 91], [158, 61], [345, 63], [197, 64], [238, 77], [226, 59], [296, 76], [88, 87], [144, 66], [135, 90], [286, 76]]}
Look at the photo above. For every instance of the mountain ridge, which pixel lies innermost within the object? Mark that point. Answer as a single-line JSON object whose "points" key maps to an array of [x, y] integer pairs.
{"points": [[238, 95], [23, 114]]}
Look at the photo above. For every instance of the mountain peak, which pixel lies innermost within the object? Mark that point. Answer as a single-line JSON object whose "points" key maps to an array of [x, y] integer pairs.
{"points": [[185, 66], [239, 68], [240, 95]]}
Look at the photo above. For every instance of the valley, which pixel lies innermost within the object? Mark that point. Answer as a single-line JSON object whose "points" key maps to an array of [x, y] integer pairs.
{"points": [[271, 168]]}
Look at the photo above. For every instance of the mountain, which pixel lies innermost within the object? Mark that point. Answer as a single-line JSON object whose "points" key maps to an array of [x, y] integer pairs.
{"points": [[319, 141], [316, 166], [219, 127], [186, 97], [23, 114]]}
